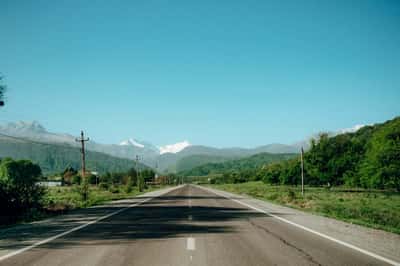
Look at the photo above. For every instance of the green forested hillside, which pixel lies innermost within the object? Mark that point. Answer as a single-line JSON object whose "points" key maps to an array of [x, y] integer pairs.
{"points": [[55, 158], [192, 161], [244, 164], [368, 158]]}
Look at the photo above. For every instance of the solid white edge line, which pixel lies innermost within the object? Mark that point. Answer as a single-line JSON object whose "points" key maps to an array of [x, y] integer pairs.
{"points": [[376, 256], [44, 241]]}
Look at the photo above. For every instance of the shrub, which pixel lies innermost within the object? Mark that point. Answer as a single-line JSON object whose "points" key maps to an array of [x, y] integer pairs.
{"points": [[129, 185], [19, 191], [76, 180], [104, 185], [291, 195]]}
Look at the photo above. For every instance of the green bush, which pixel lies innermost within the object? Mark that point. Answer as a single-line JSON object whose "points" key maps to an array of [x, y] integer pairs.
{"points": [[104, 185], [291, 195], [113, 189], [19, 191], [129, 185], [92, 179], [76, 180]]}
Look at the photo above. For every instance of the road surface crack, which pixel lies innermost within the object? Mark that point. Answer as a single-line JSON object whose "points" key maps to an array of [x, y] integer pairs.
{"points": [[284, 241]]}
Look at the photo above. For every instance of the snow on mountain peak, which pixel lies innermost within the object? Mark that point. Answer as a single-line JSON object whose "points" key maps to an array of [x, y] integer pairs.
{"points": [[132, 142], [351, 129], [174, 148]]}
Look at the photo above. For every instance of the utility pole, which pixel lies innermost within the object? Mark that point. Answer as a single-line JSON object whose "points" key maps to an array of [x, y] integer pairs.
{"points": [[156, 173], [82, 140], [302, 171], [139, 178], [137, 164]]}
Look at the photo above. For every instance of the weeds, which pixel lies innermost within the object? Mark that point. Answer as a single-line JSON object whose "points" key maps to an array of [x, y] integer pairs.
{"points": [[377, 209]]}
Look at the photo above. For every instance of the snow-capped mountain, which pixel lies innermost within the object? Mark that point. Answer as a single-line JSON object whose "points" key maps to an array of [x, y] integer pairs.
{"points": [[139, 145], [132, 142], [170, 148], [164, 158], [174, 148]]}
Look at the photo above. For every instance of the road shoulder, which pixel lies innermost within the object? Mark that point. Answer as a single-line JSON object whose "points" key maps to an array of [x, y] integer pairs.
{"points": [[379, 242], [22, 237]]}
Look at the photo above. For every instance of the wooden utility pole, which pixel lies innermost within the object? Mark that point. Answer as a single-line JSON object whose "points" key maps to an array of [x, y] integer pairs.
{"points": [[138, 175], [82, 140], [302, 171]]}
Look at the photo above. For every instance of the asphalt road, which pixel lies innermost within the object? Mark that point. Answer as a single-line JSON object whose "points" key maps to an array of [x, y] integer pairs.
{"points": [[190, 226]]}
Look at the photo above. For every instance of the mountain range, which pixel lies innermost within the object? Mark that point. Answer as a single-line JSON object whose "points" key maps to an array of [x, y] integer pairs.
{"points": [[169, 158]]}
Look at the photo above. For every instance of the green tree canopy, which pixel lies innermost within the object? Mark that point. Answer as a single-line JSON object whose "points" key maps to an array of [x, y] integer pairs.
{"points": [[2, 90], [18, 188], [381, 166]]}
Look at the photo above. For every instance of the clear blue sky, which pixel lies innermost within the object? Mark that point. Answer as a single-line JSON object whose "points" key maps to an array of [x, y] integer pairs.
{"points": [[222, 73]]}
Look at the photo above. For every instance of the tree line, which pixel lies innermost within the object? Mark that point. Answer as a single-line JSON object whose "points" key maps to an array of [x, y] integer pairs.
{"points": [[245, 166], [368, 158], [53, 158], [21, 195]]}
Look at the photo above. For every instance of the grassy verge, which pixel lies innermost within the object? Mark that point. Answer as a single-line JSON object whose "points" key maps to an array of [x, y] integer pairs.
{"points": [[58, 198], [377, 209]]}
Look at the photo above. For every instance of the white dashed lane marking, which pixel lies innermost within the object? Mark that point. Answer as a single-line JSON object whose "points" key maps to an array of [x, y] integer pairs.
{"points": [[190, 243]]}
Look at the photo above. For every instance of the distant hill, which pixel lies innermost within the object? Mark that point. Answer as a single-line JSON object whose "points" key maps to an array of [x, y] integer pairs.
{"points": [[191, 161], [197, 155], [170, 158], [35, 131], [178, 157], [54, 158], [248, 163]]}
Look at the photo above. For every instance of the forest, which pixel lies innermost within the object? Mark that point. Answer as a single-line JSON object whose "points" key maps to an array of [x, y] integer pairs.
{"points": [[367, 158], [245, 165], [53, 158]]}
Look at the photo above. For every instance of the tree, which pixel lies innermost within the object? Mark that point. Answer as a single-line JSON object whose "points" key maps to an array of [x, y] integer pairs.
{"points": [[92, 179], [133, 175], [290, 172], [76, 180], [272, 173], [117, 178], [105, 180], [2, 90], [148, 175], [68, 175], [129, 185], [141, 184], [84, 190], [381, 167], [19, 191]]}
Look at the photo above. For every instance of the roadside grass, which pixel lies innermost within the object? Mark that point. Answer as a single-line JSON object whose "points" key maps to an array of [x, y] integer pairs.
{"points": [[59, 200], [372, 208], [66, 198]]}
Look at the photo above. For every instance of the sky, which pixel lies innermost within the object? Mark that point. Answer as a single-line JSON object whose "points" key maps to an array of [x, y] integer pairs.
{"points": [[218, 73]]}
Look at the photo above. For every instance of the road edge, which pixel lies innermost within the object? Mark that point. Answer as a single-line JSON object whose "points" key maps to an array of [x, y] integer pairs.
{"points": [[49, 239], [365, 252]]}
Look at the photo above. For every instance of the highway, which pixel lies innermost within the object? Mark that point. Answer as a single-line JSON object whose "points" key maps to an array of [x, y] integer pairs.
{"points": [[190, 226]]}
